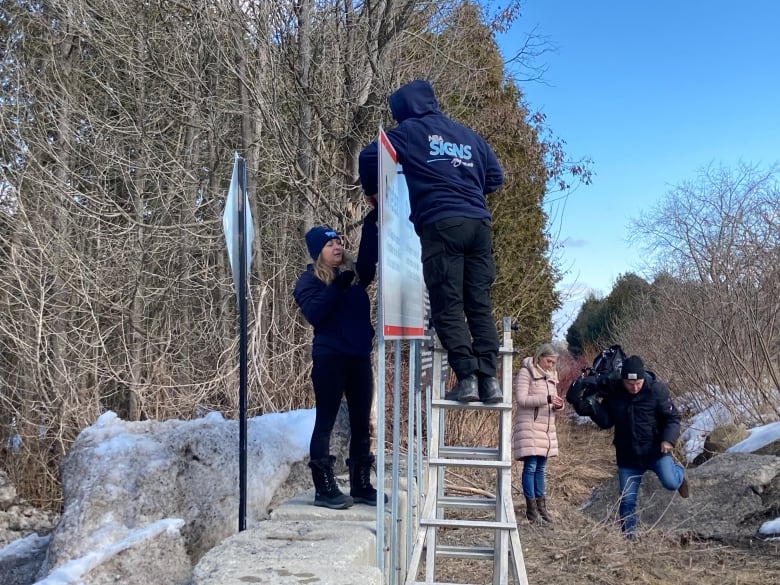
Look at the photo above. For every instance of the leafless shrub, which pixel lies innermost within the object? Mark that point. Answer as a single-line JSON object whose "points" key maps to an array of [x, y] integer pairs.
{"points": [[119, 120], [710, 323]]}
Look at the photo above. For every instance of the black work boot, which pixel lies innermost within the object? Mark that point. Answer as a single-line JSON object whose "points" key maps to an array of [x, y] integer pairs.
{"points": [[360, 487], [326, 491], [541, 506], [490, 391], [466, 390], [531, 512]]}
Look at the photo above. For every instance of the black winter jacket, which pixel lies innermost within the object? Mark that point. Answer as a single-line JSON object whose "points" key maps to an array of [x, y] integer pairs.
{"points": [[642, 421], [342, 317]]}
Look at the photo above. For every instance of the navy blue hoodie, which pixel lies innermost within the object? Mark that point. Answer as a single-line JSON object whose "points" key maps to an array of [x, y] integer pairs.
{"points": [[342, 317], [449, 168]]}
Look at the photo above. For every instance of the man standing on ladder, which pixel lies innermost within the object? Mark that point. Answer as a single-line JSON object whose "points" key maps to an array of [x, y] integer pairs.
{"points": [[449, 169]]}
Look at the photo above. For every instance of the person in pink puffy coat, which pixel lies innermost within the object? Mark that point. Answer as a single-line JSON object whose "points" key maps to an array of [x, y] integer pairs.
{"points": [[534, 439]]}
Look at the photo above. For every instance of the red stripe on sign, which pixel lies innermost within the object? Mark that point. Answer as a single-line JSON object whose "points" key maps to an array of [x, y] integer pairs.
{"points": [[389, 147], [400, 330]]}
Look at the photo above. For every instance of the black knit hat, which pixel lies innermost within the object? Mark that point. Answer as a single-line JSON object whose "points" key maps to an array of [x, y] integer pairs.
{"points": [[633, 368], [317, 237]]}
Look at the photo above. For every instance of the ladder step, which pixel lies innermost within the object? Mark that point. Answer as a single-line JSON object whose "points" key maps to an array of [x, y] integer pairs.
{"points": [[442, 513], [470, 463], [465, 552], [441, 403], [437, 348], [482, 524], [470, 452], [437, 583], [467, 502]]}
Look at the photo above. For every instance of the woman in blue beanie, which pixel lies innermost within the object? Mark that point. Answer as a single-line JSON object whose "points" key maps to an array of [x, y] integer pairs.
{"points": [[331, 294]]}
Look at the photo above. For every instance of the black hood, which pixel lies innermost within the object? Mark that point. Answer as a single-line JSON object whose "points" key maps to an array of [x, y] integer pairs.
{"points": [[413, 100]]}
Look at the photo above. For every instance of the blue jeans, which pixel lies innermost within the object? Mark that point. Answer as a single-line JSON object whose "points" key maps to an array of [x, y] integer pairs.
{"points": [[669, 473], [533, 476]]}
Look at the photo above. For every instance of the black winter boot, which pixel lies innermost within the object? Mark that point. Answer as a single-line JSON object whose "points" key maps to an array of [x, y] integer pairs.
{"points": [[531, 512], [541, 506], [466, 390], [326, 491], [490, 390], [361, 489]]}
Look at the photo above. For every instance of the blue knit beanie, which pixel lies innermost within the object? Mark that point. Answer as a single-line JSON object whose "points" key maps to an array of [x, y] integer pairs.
{"points": [[317, 237]]}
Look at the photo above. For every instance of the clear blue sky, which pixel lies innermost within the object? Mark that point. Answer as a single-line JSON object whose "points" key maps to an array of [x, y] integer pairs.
{"points": [[651, 92]]}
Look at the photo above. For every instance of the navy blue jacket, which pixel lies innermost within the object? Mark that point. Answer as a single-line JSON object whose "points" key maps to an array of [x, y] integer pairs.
{"points": [[342, 317], [449, 168], [642, 420]]}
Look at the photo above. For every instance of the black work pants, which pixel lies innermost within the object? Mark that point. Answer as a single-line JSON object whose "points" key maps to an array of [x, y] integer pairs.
{"points": [[334, 376], [457, 258]]}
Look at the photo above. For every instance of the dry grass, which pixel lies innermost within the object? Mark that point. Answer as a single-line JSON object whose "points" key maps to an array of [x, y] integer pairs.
{"points": [[577, 551]]}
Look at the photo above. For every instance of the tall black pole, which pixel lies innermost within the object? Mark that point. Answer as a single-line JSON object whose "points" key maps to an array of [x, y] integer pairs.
{"points": [[242, 367]]}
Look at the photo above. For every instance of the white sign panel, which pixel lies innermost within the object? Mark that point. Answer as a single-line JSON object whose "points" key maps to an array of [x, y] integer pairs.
{"points": [[401, 285], [230, 220]]}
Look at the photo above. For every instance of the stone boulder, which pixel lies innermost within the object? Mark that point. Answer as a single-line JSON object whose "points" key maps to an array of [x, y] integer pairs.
{"points": [[154, 555], [720, 439], [20, 560], [123, 482], [119, 477], [772, 448], [732, 495]]}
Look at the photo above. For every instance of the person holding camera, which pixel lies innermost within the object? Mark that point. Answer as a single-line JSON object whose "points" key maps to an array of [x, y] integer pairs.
{"points": [[331, 294], [647, 426], [534, 438]]}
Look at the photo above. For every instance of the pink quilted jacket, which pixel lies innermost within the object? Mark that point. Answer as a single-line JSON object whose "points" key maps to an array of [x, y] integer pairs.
{"points": [[533, 430]]}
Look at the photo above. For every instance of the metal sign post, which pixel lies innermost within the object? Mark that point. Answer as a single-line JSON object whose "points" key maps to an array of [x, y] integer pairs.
{"points": [[239, 233]]}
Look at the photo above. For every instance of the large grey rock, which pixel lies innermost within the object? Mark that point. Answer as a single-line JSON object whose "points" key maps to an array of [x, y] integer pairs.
{"points": [[723, 437], [720, 439], [732, 495], [772, 448], [120, 476], [20, 560], [154, 555]]}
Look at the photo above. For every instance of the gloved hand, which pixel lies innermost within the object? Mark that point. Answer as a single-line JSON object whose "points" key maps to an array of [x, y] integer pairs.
{"points": [[344, 279]]}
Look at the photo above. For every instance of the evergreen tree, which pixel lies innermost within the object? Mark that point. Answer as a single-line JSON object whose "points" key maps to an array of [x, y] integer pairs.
{"points": [[494, 106], [599, 321]]}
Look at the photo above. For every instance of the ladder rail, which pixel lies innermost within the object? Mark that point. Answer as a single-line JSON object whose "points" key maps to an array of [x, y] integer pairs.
{"points": [[506, 553]]}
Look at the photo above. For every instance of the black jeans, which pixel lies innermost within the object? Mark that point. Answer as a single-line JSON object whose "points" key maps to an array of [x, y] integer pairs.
{"points": [[457, 258], [334, 376]]}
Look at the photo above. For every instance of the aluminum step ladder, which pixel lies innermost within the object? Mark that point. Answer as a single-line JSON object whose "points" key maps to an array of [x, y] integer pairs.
{"points": [[506, 552]]}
